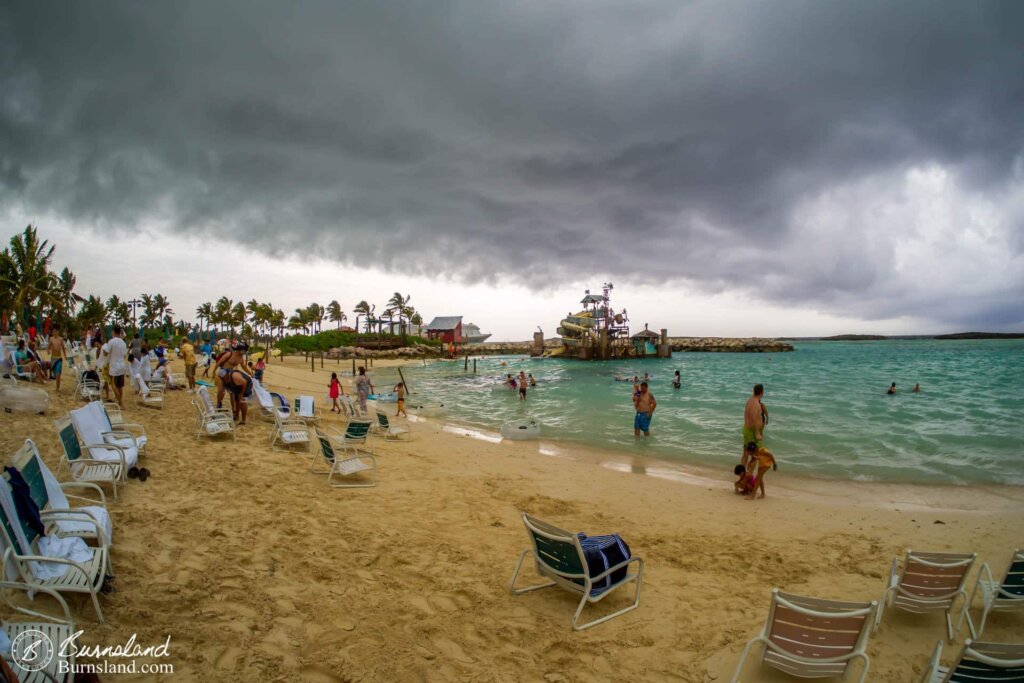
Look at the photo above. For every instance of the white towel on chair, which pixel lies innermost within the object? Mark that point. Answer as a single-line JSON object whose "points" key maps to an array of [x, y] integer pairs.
{"points": [[305, 406], [73, 549]]}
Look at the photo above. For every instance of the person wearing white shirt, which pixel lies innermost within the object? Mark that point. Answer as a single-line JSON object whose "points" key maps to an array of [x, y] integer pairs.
{"points": [[117, 365]]}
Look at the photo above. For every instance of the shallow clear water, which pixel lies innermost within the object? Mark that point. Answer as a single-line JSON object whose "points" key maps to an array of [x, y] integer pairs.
{"points": [[829, 413]]}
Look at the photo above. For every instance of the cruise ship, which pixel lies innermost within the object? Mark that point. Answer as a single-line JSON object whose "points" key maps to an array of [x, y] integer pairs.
{"points": [[471, 333]]}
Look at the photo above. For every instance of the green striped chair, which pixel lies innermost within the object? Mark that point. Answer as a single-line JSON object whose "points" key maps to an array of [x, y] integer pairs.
{"points": [[334, 453], [91, 522], [558, 556], [999, 596], [83, 467], [22, 543], [977, 663]]}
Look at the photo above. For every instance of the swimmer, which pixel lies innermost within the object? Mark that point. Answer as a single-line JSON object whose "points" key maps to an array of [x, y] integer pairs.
{"points": [[892, 388], [677, 381], [533, 382], [917, 388]]}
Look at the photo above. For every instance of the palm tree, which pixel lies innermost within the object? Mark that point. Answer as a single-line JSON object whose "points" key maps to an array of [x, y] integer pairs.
{"points": [[204, 312], [397, 304], [24, 273], [148, 316], [66, 299], [93, 312], [301, 320], [161, 308], [222, 311], [237, 317], [417, 320], [335, 313], [362, 308]]}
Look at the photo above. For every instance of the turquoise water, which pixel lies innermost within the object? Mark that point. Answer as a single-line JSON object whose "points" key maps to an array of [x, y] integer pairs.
{"points": [[829, 413]]}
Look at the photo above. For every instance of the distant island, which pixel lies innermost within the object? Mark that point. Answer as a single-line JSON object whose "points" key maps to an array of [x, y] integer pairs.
{"points": [[982, 335], [855, 337]]}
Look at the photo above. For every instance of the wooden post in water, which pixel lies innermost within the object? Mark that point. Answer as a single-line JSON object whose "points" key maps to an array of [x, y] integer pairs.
{"points": [[353, 367], [474, 366], [407, 389], [465, 366]]}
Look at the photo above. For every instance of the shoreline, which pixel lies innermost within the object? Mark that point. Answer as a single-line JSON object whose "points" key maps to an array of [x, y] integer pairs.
{"points": [[892, 495]]}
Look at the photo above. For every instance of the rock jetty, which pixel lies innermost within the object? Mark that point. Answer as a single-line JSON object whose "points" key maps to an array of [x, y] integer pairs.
{"points": [[728, 345]]}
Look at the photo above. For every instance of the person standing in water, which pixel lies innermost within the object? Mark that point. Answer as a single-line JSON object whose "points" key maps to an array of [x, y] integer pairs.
{"points": [[677, 381], [522, 385], [754, 418], [645, 405], [892, 388], [363, 388]]}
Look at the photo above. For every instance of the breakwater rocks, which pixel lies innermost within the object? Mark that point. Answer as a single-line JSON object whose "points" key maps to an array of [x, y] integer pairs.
{"points": [[727, 345], [679, 345], [403, 352]]}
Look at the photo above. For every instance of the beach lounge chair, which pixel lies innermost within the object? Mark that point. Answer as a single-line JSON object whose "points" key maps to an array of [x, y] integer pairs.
{"points": [[54, 631], [929, 582], [149, 394], [82, 466], [559, 557], [1002, 596], [94, 431], [334, 452], [211, 422], [391, 431], [305, 409], [39, 571], [356, 435], [85, 388], [269, 406], [813, 638], [978, 662], [91, 521], [110, 419], [18, 370], [290, 431]]}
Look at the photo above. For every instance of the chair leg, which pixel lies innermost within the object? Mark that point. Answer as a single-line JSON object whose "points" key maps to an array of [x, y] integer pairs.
{"points": [[96, 606], [512, 584], [595, 622], [743, 658]]}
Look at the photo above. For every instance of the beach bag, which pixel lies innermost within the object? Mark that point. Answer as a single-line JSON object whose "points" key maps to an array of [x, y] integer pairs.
{"points": [[602, 552]]}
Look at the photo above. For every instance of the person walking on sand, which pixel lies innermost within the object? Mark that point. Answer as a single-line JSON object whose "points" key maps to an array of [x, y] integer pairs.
{"points": [[363, 388], [522, 385], [400, 392], [117, 363], [334, 391], [58, 354], [754, 416], [188, 354], [645, 405]]}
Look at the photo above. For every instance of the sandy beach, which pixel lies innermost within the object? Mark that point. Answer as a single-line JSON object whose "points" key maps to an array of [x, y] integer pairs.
{"points": [[258, 571]]}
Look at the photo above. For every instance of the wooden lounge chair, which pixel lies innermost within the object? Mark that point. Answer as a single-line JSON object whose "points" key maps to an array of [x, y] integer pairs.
{"points": [[391, 431], [929, 582], [559, 557], [978, 662], [1003, 596], [334, 453], [82, 466], [22, 548], [813, 638], [39, 639]]}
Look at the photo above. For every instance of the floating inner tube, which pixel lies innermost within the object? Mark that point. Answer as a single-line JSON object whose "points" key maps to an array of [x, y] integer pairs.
{"points": [[521, 430]]}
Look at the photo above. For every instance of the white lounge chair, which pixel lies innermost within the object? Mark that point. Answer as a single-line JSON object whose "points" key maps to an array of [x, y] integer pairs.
{"points": [[305, 408], [559, 557], [38, 640], [998, 596], [211, 422], [149, 394], [17, 370], [813, 638], [391, 432], [269, 406], [357, 435], [110, 419], [90, 521], [929, 582], [334, 452], [22, 549], [81, 465], [977, 663], [93, 431], [290, 431]]}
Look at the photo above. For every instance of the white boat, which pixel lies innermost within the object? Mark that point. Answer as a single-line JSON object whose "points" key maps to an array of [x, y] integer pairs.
{"points": [[521, 430], [472, 334]]}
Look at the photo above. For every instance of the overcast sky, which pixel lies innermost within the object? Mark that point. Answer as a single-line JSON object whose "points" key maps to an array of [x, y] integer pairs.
{"points": [[739, 168]]}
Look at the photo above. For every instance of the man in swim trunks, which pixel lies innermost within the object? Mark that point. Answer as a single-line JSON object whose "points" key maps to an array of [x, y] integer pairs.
{"points": [[224, 363], [753, 421], [238, 383], [645, 405], [57, 355]]}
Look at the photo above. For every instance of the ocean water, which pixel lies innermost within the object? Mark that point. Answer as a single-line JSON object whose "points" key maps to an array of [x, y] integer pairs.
{"points": [[830, 416]]}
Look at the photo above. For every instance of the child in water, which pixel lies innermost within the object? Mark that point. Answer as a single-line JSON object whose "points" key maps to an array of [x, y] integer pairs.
{"points": [[677, 381], [745, 482]]}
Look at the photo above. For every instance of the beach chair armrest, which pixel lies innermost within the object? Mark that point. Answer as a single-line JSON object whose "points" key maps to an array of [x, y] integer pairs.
{"points": [[70, 516], [71, 564], [7, 586], [89, 486], [131, 427], [617, 567]]}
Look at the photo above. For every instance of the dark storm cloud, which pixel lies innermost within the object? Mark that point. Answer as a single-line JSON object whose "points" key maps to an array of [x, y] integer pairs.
{"points": [[650, 140]]}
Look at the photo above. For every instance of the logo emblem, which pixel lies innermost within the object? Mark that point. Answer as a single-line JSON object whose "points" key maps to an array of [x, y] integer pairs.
{"points": [[32, 650]]}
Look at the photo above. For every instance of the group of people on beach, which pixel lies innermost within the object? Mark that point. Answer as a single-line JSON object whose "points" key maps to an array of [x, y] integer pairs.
{"points": [[521, 383]]}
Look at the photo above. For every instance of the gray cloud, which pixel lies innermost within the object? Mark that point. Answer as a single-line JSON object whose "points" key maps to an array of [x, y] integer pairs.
{"points": [[723, 144]]}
